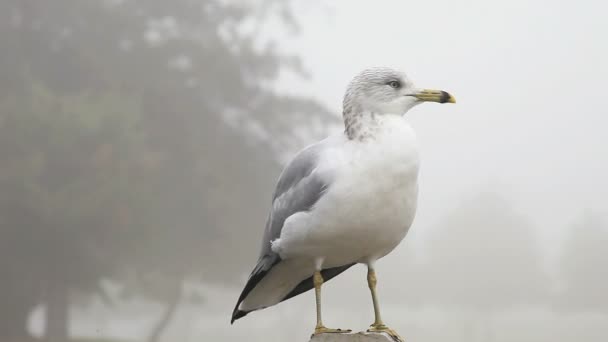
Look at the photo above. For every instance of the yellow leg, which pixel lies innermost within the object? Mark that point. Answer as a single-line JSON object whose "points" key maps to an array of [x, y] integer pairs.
{"points": [[320, 328], [378, 325]]}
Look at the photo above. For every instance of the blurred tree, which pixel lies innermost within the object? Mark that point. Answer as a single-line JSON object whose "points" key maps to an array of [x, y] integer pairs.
{"points": [[582, 267], [135, 137], [62, 193], [483, 257]]}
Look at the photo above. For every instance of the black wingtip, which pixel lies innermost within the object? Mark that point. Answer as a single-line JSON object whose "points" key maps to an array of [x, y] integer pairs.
{"points": [[238, 314], [263, 266]]}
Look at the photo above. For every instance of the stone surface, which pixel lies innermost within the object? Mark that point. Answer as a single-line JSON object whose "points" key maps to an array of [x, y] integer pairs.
{"points": [[353, 337]]}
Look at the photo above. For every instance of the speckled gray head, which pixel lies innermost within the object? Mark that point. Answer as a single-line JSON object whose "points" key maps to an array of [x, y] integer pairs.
{"points": [[381, 90]]}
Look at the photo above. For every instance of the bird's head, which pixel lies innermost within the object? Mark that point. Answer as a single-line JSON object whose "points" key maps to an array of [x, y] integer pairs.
{"points": [[388, 91]]}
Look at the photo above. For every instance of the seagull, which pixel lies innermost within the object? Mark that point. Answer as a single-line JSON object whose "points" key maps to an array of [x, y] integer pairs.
{"points": [[350, 198]]}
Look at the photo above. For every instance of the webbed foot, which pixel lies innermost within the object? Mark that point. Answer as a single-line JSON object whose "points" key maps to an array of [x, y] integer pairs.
{"points": [[383, 328]]}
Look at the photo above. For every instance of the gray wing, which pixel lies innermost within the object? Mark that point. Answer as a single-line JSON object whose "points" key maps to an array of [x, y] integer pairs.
{"points": [[297, 190]]}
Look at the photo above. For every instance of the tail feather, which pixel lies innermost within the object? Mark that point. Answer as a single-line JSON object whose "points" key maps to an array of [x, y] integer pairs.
{"points": [[307, 284], [265, 264]]}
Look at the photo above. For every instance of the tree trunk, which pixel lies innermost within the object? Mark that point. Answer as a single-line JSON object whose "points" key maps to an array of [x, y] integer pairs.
{"points": [[14, 313], [57, 312], [172, 304]]}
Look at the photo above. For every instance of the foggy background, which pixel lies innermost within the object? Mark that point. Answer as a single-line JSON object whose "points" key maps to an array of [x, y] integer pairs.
{"points": [[140, 141]]}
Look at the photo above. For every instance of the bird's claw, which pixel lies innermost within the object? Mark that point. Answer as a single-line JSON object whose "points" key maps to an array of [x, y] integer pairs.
{"points": [[322, 330], [383, 328]]}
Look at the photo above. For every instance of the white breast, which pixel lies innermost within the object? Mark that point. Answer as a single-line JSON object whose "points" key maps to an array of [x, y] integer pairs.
{"points": [[371, 203]]}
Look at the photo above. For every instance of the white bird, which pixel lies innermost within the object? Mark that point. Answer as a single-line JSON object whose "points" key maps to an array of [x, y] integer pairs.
{"points": [[350, 198]]}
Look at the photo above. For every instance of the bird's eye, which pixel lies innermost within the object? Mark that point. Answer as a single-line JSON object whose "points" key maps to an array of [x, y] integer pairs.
{"points": [[394, 84]]}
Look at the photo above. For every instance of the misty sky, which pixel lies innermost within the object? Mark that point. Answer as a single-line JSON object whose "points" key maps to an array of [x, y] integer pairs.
{"points": [[529, 78], [530, 123]]}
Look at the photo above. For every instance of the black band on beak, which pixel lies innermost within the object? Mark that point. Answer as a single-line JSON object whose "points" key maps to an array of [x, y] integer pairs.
{"points": [[445, 97]]}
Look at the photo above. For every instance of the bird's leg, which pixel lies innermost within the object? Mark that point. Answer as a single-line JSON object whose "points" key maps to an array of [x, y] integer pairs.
{"points": [[320, 328], [378, 325]]}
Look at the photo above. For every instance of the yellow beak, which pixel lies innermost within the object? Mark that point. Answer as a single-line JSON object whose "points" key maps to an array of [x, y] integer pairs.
{"points": [[431, 95]]}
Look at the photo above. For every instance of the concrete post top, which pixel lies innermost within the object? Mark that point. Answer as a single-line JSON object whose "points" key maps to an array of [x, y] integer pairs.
{"points": [[353, 337]]}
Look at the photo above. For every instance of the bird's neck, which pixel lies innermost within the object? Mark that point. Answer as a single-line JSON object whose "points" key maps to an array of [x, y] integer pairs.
{"points": [[359, 124]]}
